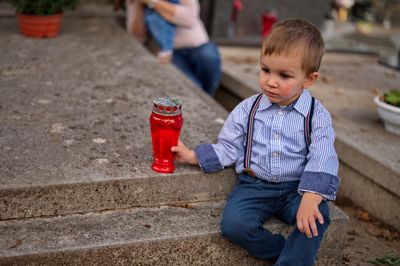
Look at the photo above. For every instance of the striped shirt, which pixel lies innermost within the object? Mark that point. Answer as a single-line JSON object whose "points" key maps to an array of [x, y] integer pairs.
{"points": [[279, 150]]}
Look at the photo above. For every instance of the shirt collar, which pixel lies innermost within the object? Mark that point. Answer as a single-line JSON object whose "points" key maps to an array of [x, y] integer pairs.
{"points": [[302, 104]]}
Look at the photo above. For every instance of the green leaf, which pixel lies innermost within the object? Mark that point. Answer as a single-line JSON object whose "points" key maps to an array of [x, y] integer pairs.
{"points": [[43, 7], [392, 97], [388, 259]]}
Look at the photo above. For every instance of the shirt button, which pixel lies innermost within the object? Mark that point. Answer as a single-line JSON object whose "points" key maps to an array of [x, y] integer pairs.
{"points": [[275, 178], [276, 136], [275, 154], [280, 112]]}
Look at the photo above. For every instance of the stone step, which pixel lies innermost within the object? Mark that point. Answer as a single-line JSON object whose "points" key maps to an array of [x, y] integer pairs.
{"points": [[75, 136], [169, 235], [81, 197]]}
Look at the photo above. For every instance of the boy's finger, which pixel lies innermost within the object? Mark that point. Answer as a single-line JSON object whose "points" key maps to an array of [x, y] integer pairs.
{"points": [[313, 227], [300, 226], [320, 218], [175, 148], [307, 230]]}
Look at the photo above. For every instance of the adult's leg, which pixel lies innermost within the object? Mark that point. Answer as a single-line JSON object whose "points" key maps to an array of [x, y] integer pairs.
{"points": [[300, 250], [180, 59], [251, 203], [207, 66]]}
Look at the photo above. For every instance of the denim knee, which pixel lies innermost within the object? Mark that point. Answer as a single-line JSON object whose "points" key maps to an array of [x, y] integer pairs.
{"points": [[209, 52], [208, 67], [235, 229]]}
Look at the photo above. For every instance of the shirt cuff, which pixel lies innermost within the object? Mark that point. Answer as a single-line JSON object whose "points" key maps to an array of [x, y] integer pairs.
{"points": [[321, 183], [208, 159]]}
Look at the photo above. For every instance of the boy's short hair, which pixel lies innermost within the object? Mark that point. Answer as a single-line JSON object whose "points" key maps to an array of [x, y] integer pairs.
{"points": [[296, 35]]}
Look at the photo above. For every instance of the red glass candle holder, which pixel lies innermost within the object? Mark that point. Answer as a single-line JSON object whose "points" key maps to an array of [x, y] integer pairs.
{"points": [[268, 18], [165, 122]]}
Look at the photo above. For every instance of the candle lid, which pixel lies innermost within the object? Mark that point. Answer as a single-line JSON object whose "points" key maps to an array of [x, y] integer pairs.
{"points": [[167, 106]]}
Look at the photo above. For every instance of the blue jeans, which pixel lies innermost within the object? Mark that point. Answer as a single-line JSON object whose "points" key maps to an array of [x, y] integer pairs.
{"points": [[251, 203], [162, 31], [201, 64]]}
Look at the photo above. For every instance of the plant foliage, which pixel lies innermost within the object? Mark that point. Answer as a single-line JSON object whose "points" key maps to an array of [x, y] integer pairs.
{"points": [[43, 7], [388, 259], [392, 97]]}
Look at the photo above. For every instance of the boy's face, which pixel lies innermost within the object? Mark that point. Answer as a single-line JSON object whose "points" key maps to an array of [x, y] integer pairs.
{"points": [[281, 78]]}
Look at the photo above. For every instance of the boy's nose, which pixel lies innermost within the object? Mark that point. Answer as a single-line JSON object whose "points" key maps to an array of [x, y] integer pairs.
{"points": [[271, 82]]}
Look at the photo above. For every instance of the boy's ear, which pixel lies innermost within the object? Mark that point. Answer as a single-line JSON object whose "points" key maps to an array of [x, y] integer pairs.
{"points": [[310, 79]]}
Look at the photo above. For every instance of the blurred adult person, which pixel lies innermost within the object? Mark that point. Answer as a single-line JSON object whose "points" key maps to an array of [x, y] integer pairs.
{"points": [[193, 53]]}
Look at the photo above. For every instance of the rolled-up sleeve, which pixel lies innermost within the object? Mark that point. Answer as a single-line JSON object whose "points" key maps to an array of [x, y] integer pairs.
{"points": [[230, 145], [321, 172], [208, 159]]}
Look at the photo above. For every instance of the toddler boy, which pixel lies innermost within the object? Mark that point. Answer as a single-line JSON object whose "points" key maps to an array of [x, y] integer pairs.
{"points": [[282, 145]]}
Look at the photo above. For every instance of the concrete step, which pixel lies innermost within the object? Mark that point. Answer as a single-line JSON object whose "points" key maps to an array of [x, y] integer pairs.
{"points": [[110, 194], [169, 235], [74, 131]]}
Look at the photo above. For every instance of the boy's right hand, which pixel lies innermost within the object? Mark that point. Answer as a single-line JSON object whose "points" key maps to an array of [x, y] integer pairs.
{"points": [[183, 154]]}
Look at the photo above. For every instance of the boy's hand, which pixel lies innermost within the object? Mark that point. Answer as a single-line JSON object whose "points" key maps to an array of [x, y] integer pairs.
{"points": [[307, 214], [183, 154]]}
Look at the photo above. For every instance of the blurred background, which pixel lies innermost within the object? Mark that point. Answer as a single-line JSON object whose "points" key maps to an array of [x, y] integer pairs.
{"points": [[370, 26]]}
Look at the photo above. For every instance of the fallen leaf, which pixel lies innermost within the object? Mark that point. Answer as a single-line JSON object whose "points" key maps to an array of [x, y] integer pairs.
{"points": [[376, 91], [182, 205], [101, 161], [69, 142], [326, 79], [390, 74], [99, 140], [339, 92], [18, 242], [346, 259], [57, 128], [43, 101], [363, 216], [219, 121]]}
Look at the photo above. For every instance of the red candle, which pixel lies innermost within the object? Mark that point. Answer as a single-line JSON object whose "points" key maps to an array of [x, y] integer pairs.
{"points": [[165, 122], [268, 19]]}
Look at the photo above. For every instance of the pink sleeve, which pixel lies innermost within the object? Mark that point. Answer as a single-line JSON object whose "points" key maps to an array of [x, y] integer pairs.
{"points": [[186, 13]]}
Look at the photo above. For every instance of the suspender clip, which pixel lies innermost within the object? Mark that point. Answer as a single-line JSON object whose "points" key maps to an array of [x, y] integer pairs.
{"points": [[250, 172]]}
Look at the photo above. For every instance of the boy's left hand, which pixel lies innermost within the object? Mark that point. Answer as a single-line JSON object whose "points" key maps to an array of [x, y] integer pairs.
{"points": [[307, 214]]}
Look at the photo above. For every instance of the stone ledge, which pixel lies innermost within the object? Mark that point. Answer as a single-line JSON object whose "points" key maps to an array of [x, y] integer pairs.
{"points": [[75, 135], [114, 194], [187, 235], [368, 195]]}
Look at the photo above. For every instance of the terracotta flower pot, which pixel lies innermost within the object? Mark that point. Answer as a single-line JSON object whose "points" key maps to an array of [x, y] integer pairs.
{"points": [[39, 26]]}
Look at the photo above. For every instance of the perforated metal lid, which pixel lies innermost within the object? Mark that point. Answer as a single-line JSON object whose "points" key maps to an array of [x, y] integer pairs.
{"points": [[167, 106]]}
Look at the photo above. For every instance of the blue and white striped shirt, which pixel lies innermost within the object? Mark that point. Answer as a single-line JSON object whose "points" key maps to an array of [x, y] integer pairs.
{"points": [[279, 151]]}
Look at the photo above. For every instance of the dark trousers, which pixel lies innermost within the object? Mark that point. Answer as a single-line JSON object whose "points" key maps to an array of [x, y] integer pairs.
{"points": [[201, 64], [251, 203]]}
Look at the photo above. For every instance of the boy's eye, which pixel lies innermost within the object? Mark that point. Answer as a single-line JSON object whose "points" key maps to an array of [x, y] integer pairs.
{"points": [[264, 69], [284, 75]]}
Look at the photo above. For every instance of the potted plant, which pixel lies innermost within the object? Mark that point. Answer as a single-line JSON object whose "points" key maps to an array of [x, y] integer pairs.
{"points": [[389, 110], [41, 18]]}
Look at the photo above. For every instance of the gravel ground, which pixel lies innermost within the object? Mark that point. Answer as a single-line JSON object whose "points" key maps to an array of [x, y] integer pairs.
{"points": [[368, 241]]}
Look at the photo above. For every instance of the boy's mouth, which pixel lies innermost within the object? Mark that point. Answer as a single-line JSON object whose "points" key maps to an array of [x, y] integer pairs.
{"points": [[271, 94]]}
